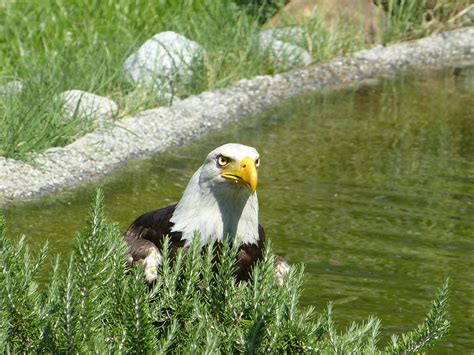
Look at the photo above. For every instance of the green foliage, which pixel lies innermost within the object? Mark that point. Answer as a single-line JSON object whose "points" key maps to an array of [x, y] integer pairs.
{"points": [[434, 327], [263, 10], [32, 120], [83, 45], [409, 19], [406, 19], [96, 303]]}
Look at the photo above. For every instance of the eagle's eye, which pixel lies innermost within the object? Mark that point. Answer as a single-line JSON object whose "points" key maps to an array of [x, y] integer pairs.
{"points": [[222, 160], [257, 162]]}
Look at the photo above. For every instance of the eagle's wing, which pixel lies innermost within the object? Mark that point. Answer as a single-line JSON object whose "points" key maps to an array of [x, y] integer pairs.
{"points": [[249, 254], [152, 226], [145, 238], [146, 235]]}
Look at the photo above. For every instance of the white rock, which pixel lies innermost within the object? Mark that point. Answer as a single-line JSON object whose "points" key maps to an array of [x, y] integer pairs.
{"points": [[87, 105], [293, 35], [464, 18], [12, 87], [374, 53], [285, 55], [163, 59]]}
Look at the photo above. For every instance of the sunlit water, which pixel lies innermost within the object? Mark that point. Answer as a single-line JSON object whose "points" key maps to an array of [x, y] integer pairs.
{"points": [[372, 188]]}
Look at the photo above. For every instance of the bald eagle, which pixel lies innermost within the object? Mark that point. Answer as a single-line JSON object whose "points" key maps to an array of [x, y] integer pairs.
{"points": [[220, 203]]}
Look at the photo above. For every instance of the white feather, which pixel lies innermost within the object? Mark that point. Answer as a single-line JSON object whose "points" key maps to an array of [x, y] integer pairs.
{"points": [[216, 207]]}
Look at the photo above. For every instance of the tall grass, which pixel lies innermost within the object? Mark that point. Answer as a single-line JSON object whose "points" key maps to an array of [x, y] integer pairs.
{"points": [[413, 19], [405, 19], [58, 45]]}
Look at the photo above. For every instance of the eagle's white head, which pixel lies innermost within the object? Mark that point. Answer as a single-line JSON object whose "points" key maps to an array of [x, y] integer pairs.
{"points": [[220, 200]]}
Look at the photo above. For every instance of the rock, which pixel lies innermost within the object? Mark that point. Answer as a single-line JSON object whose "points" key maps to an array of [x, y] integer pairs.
{"points": [[374, 53], [12, 87], [165, 58], [351, 14], [87, 105], [294, 35], [464, 18], [285, 55]]}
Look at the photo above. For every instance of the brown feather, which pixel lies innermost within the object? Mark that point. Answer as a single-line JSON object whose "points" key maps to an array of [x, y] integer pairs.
{"points": [[148, 232]]}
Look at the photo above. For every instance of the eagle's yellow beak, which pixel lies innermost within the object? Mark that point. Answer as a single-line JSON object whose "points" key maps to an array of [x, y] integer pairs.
{"points": [[245, 173]]}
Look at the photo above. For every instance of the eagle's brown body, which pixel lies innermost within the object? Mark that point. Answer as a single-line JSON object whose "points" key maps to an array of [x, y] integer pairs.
{"points": [[148, 232]]}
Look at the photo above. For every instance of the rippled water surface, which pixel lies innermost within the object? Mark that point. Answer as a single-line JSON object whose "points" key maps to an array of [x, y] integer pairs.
{"points": [[372, 188]]}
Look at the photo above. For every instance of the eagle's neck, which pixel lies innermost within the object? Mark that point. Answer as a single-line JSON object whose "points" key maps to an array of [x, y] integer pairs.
{"points": [[216, 212]]}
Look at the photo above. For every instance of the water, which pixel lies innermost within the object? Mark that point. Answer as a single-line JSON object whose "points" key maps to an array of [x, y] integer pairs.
{"points": [[372, 188]]}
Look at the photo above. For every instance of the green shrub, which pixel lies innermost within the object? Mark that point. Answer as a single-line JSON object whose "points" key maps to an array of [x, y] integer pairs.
{"points": [[58, 45], [263, 10], [96, 303]]}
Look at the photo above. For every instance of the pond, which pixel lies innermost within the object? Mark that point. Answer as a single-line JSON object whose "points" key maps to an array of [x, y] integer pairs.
{"points": [[371, 187]]}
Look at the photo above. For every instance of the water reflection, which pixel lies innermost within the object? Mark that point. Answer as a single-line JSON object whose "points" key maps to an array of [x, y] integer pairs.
{"points": [[372, 188]]}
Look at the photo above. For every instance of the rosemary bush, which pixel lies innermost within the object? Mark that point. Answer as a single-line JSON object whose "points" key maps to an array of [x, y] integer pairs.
{"points": [[96, 303]]}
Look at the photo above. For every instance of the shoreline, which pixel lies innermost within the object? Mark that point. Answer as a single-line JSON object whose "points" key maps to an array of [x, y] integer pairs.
{"points": [[154, 131]]}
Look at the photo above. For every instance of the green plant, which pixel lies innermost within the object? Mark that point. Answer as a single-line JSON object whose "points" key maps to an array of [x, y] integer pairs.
{"points": [[96, 303], [413, 19], [83, 45], [33, 121], [263, 10], [405, 20]]}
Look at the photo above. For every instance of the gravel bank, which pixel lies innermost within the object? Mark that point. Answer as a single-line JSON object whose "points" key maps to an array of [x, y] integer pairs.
{"points": [[154, 131]]}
